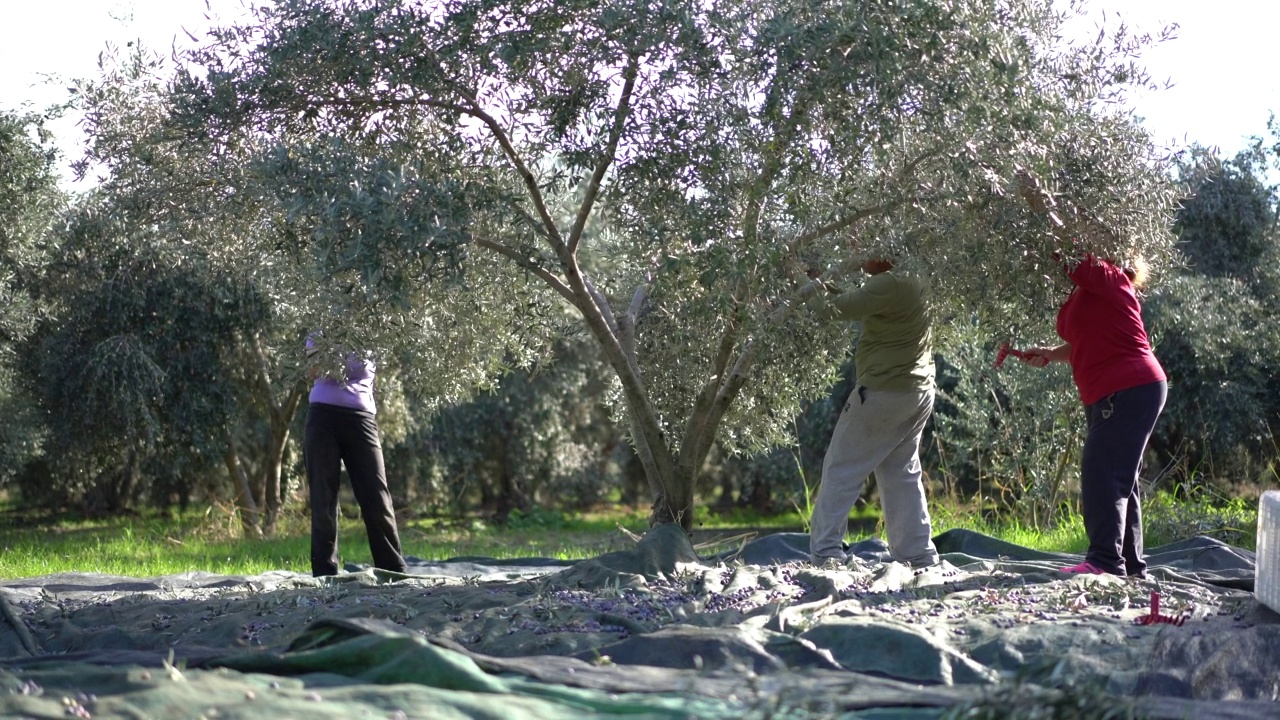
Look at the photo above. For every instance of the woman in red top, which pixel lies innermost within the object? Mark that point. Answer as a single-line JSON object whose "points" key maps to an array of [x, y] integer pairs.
{"points": [[1123, 389]]}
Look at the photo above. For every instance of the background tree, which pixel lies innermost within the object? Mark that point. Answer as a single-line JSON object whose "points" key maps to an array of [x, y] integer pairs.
{"points": [[1212, 325], [1006, 439], [540, 438], [30, 206], [168, 352], [131, 369], [1226, 224], [710, 146]]}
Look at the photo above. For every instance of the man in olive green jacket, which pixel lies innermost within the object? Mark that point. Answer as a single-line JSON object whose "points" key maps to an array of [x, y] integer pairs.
{"points": [[881, 424]]}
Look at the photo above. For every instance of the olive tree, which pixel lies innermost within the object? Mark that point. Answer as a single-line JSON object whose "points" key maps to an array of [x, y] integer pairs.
{"points": [[1226, 226], [130, 368], [1211, 322], [162, 343], [665, 171], [30, 205], [541, 436]]}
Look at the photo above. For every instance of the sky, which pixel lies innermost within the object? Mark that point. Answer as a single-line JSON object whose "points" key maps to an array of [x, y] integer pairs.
{"points": [[1222, 63]]}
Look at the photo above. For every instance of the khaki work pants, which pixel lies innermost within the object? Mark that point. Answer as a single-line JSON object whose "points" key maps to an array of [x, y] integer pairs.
{"points": [[878, 431]]}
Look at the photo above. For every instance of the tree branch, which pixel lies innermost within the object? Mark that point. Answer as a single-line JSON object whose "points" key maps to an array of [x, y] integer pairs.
{"points": [[783, 140], [534, 223], [615, 134], [724, 397], [606, 310], [646, 431], [637, 300], [552, 233], [700, 424], [526, 175], [627, 325], [291, 402], [838, 225], [264, 376], [911, 166], [842, 223], [624, 329], [520, 259], [1070, 221], [647, 435]]}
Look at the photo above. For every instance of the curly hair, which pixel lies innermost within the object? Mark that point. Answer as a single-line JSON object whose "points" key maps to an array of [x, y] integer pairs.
{"points": [[1138, 272]]}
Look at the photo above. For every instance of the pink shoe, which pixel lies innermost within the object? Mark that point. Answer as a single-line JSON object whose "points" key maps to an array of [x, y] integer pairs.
{"points": [[1084, 568]]}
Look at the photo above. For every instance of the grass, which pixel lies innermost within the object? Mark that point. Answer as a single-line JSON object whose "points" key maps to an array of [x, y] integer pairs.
{"points": [[1066, 536], [1231, 520], [165, 544], [142, 548], [1165, 519]]}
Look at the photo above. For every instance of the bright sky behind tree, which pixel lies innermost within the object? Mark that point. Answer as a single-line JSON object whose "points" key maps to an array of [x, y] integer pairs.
{"points": [[1222, 62]]}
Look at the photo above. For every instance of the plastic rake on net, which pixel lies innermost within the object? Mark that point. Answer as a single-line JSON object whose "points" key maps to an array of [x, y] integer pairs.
{"points": [[1156, 617], [1005, 351]]}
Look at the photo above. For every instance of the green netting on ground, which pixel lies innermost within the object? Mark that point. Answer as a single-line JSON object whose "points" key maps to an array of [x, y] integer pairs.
{"points": [[654, 631]]}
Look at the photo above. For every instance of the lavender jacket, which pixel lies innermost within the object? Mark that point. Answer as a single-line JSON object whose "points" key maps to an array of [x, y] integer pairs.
{"points": [[355, 392]]}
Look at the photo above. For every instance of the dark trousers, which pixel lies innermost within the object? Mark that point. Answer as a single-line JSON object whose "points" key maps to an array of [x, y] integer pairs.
{"points": [[1119, 427], [337, 436]]}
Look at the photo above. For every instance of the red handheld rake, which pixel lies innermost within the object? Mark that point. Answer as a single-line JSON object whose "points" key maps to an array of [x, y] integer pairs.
{"points": [[1156, 617], [1005, 351]]}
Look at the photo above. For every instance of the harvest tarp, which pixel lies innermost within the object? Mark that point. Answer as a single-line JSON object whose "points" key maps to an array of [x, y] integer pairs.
{"points": [[652, 631]]}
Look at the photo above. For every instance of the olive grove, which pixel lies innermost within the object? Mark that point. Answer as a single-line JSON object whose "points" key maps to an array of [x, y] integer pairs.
{"points": [[477, 177]]}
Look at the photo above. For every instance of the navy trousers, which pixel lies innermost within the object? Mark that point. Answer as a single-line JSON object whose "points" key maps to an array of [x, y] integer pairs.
{"points": [[337, 436], [1119, 427]]}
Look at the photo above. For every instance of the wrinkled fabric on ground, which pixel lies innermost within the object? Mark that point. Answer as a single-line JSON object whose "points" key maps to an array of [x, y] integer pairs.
{"points": [[652, 631]]}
